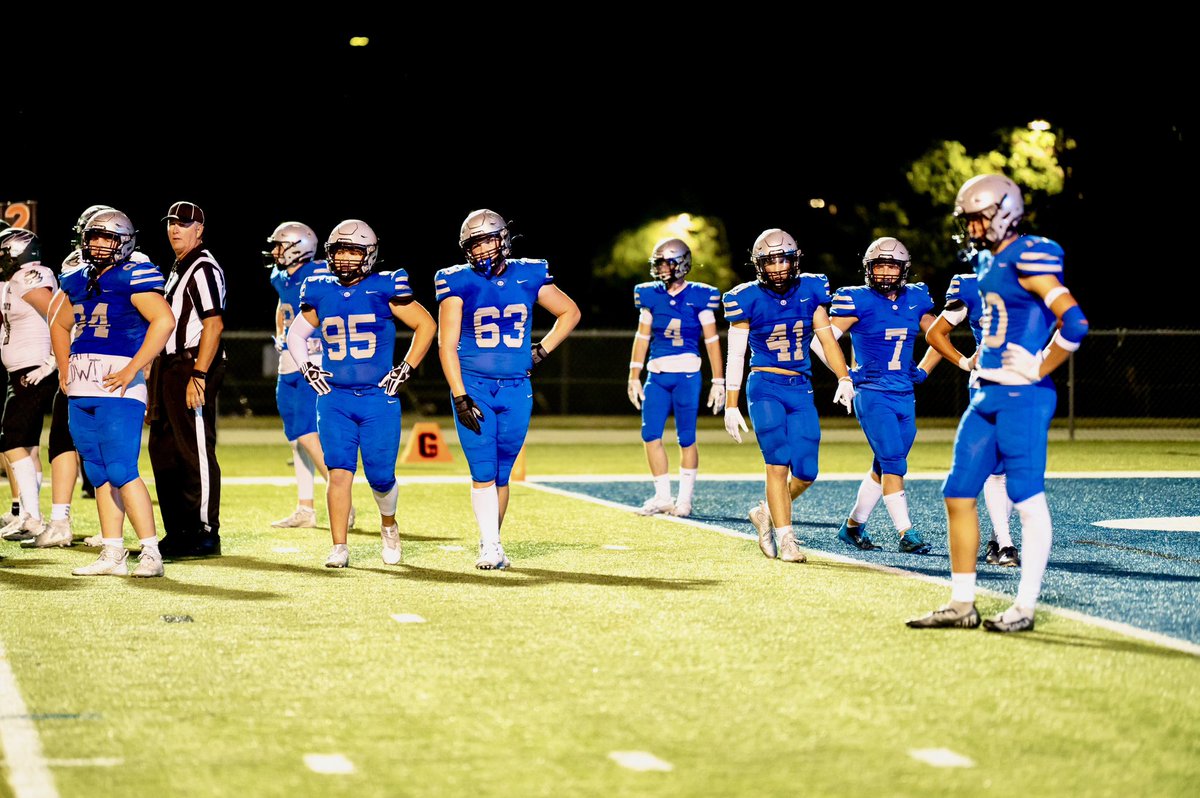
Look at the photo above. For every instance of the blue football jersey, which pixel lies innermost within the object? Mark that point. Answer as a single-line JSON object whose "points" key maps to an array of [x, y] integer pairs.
{"points": [[1010, 313], [356, 323], [965, 289], [496, 315], [675, 328], [288, 287], [106, 322], [780, 324], [885, 333]]}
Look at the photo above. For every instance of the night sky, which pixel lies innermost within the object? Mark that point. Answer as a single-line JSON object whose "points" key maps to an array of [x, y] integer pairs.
{"points": [[572, 142]]}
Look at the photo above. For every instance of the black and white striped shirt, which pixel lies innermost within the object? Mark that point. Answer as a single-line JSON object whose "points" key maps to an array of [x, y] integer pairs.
{"points": [[195, 291]]}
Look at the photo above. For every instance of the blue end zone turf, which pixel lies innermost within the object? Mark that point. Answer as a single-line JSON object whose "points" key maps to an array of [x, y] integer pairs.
{"points": [[1147, 579]]}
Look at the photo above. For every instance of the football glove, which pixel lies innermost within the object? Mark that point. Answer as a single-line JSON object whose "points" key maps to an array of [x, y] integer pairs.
{"points": [[315, 376], [734, 421], [845, 394], [392, 381], [716, 395], [469, 414], [636, 394]]}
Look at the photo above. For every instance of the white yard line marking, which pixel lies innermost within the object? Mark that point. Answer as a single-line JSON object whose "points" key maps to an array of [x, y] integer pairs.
{"points": [[328, 763], [28, 773], [941, 758], [1174, 524], [1113, 626], [407, 617], [640, 760], [98, 762]]}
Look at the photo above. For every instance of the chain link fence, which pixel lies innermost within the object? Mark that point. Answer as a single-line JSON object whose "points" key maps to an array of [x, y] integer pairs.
{"points": [[1144, 379]]}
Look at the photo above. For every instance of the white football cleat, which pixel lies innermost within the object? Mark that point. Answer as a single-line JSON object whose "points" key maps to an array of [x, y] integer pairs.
{"points": [[111, 562], [24, 528], [338, 558], [391, 545], [655, 505], [94, 541], [492, 558], [149, 564], [54, 534], [300, 517], [760, 517], [789, 549], [682, 509]]}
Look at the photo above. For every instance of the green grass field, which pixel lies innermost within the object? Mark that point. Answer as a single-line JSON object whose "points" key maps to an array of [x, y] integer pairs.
{"points": [[747, 676]]}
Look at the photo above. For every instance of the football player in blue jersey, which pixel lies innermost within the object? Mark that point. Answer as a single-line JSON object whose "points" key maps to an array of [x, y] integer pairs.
{"points": [[485, 311], [290, 255], [357, 409], [885, 317], [673, 317], [121, 322], [964, 304], [778, 314], [1008, 419]]}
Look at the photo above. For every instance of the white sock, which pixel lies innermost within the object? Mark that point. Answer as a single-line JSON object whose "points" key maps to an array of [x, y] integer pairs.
{"points": [[116, 543], [662, 487], [869, 493], [486, 504], [60, 512], [304, 472], [1036, 536], [999, 508], [687, 484], [784, 532], [387, 501], [150, 544], [340, 547], [897, 507], [26, 478], [962, 587]]}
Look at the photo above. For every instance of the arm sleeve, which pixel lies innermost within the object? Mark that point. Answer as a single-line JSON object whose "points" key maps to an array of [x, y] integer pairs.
{"points": [[297, 340], [735, 363]]}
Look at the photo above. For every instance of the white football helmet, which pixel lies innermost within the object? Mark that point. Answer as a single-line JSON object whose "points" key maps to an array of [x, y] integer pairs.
{"points": [[670, 260], [887, 250], [18, 248], [297, 244], [352, 235], [995, 198], [108, 237], [485, 226], [775, 246]]}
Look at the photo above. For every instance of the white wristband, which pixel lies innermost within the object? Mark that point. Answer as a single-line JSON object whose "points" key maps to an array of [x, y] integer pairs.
{"points": [[1054, 294], [712, 340], [718, 381], [964, 363], [633, 364], [1063, 343]]}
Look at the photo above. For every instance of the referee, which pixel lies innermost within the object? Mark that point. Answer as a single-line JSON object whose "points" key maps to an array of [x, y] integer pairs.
{"points": [[187, 378]]}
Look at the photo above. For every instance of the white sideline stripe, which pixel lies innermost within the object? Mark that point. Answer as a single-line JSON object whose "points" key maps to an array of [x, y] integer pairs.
{"points": [[98, 762], [407, 617], [757, 476], [1113, 626], [640, 760], [941, 758], [328, 763], [449, 479], [28, 773], [1171, 524], [614, 547]]}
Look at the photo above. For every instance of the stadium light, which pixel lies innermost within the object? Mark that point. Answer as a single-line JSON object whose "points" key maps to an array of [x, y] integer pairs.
{"points": [[359, 41], [1039, 124]]}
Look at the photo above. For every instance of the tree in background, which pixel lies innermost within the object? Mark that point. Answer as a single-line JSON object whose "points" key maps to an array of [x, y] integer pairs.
{"points": [[1029, 155], [628, 261]]}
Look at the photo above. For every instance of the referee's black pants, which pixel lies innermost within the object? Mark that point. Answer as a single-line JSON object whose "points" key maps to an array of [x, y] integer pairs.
{"points": [[183, 451]]}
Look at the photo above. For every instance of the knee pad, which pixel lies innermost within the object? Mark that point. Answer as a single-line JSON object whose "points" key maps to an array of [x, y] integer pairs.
{"points": [[1022, 486], [118, 474], [892, 465]]}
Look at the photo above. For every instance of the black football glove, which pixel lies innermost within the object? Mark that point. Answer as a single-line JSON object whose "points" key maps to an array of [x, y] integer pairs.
{"points": [[468, 412]]}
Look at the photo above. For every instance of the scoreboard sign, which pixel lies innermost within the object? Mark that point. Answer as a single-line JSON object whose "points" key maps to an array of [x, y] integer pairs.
{"points": [[20, 214]]}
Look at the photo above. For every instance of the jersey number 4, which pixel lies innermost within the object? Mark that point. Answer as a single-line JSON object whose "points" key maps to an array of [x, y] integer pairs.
{"points": [[487, 327]]}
